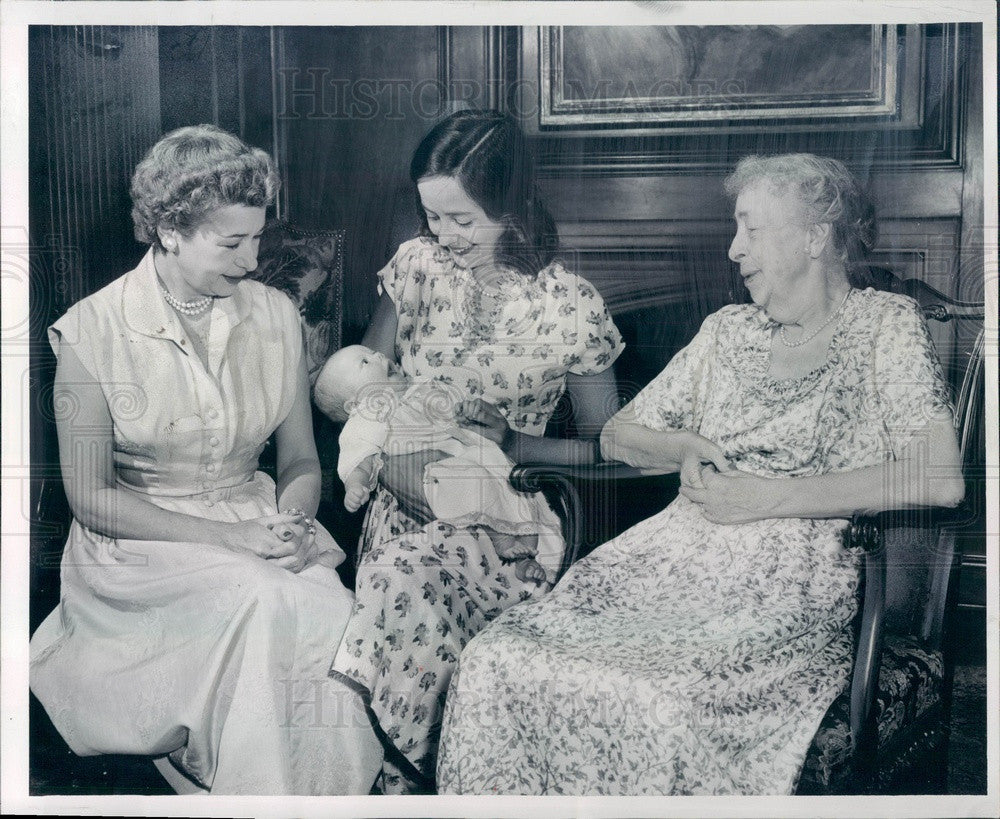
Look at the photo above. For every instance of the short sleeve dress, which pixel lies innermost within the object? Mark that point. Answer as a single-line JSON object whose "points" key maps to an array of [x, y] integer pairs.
{"points": [[686, 656], [423, 591], [216, 658]]}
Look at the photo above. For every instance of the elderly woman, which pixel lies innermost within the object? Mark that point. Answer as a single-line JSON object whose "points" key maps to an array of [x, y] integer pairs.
{"points": [[698, 651], [196, 619]]}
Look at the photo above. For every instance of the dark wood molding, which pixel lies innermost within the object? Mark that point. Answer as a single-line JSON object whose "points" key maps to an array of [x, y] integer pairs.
{"points": [[473, 66], [496, 54], [94, 111], [444, 56], [278, 55], [696, 196], [973, 256]]}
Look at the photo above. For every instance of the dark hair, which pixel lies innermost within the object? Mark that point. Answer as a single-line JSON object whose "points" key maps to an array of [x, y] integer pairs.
{"points": [[487, 152], [827, 191], [193, 171]]}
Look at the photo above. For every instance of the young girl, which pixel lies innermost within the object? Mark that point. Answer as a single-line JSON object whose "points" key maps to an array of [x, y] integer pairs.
{"points": [[479, 301]]}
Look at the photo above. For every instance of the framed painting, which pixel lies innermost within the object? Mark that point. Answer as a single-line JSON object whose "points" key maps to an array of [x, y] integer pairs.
{"points": [[627, 76]]}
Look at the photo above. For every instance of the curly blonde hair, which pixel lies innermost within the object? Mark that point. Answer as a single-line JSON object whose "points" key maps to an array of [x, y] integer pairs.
{"points": [[193, 171], [827, 191]]}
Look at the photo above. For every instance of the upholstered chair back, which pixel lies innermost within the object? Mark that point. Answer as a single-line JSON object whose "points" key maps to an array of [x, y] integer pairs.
{"points": [[309, 267]]}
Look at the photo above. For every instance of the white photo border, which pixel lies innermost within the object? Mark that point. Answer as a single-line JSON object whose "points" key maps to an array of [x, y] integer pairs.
{"points": [[16, 16]]}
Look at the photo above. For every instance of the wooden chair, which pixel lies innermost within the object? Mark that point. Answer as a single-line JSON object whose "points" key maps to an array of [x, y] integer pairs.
{"points": [[308, 266], [888, 733]]}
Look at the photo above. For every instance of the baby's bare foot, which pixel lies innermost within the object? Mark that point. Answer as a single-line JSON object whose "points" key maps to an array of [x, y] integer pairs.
{"points": [[514, 547]]}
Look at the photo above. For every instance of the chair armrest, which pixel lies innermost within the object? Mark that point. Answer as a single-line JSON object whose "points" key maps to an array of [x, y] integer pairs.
{"points": [[558, 482], [530, 477]]}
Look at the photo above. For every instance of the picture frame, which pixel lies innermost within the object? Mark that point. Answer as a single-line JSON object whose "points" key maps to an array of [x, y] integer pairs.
{"points": [[683, 77]]}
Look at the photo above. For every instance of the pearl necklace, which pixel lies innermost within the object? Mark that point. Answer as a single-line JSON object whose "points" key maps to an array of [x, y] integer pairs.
{"points": [[817, 331], [195, 307]]}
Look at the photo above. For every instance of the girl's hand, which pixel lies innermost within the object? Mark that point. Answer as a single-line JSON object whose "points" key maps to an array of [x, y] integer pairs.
{"points": [[699, 458], [403, 475], [733, 497], [484, 418]]}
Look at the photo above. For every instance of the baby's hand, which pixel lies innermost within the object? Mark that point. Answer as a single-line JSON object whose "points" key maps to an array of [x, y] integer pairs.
{"points": [[356, 496], [528, 569]]}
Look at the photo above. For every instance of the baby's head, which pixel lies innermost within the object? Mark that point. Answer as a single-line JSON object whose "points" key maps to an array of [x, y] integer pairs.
{"points": [[346, 373]]}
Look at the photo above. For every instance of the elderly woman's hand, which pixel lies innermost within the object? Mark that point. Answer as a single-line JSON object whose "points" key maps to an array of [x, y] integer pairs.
{"points": [[733, 497], [482, 417], [403, 476], [700, 456]]}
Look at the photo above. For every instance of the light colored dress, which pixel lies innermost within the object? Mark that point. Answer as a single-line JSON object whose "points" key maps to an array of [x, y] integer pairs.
{"points": [[470, 487], [216, 658], [424, 591], [685, 656]]}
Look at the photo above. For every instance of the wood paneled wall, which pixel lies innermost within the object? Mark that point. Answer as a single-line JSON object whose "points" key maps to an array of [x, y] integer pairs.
{"points": [[94, 110], [352, 105], [633, 210], [220, 75], [342, 108], [641, 214], [662, 191]]}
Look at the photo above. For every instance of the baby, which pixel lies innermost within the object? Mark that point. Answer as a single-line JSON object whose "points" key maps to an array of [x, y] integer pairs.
{"points": [[384, 414]]}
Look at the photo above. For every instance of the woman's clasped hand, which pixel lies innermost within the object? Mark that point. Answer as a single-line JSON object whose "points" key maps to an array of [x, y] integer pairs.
{"points": [[284, 538], [732, 496], [700, 456]]}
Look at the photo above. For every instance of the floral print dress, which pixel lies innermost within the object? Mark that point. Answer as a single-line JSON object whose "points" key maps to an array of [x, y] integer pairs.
{"points": [[686, 656], [423, 591]]}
